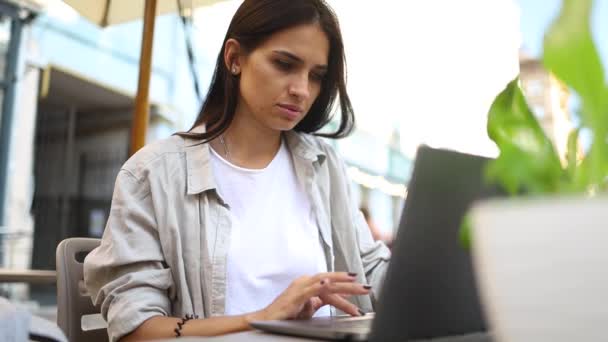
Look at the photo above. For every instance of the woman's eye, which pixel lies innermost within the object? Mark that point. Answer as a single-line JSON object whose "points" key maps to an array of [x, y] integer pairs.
{"points": [[283, 65], [317, 76]]}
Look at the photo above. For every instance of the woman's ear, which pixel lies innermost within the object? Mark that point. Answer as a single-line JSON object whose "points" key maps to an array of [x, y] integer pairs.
{"points": [[232, 52]]}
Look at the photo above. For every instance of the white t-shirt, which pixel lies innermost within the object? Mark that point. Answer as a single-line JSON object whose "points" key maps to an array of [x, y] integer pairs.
{"points": [[274, 237]]}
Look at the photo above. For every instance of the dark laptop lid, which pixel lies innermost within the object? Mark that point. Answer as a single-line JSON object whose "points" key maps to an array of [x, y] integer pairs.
{"points": [[430, 287]]}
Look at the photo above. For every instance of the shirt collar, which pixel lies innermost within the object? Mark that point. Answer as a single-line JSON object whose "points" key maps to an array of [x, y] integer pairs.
{"points": [[302, 146], [198, 164], [198, 158]]}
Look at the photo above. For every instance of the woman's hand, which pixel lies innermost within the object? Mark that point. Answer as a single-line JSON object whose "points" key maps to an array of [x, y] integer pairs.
{"points": [[301, 299], [307, 294]]}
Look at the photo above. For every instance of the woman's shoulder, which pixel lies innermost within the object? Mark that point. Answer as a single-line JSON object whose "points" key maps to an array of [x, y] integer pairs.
{"points": [[320, 144], [325, 150], [163, 151]]}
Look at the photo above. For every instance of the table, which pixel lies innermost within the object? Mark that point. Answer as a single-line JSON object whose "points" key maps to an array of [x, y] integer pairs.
{"points": [[27, 276], [258, 336]]}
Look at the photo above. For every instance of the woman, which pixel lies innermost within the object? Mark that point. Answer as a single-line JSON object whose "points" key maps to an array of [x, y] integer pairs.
{"points": [[247, 216]]}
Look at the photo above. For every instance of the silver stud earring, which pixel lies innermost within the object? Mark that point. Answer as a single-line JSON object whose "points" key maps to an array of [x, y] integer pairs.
{"points": [[234, 70]]}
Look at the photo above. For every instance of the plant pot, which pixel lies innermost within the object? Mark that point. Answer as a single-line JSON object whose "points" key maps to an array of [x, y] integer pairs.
{"points": [[542, 268]]}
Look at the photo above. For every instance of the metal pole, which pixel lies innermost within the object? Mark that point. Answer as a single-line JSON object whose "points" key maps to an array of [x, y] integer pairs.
{"points": [[141, 115], [10, 76]]}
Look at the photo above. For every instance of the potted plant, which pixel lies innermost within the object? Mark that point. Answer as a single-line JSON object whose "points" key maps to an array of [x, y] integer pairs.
{"points": [[545, 276]]}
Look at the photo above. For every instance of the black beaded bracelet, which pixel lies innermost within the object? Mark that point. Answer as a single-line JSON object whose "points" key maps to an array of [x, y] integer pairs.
{"points": [[178, 330]]}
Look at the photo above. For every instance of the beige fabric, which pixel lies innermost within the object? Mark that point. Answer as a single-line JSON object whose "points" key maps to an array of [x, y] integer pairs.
{"points": [[110, 12], [164, 248]]}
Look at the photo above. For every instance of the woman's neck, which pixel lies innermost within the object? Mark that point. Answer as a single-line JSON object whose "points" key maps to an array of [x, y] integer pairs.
{"points": [[247, 143]]}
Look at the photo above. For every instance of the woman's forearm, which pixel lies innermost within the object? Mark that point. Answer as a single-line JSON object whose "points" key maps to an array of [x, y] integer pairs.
{"points": [[164, 327]]}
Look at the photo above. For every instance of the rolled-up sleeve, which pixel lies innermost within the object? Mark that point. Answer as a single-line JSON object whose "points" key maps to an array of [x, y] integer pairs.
{"points": [[126, 275], [375, 255]]}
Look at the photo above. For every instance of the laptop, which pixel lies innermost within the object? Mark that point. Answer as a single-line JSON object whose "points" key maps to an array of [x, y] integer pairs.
{"points": [[429, 290]]}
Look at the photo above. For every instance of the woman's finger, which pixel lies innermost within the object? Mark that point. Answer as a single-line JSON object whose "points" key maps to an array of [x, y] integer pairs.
{"points": [[309, 308], [325, 286], [334, 277], [345, 296], [314, 290], [317, 304], [346, 289], [342, 304]]}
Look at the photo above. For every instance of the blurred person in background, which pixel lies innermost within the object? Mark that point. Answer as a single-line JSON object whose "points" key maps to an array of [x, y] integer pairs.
{"points": [[248, 215], [377, 234]]}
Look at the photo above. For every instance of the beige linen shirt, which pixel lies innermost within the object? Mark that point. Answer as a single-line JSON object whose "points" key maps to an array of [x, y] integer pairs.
{"points": [[164, 248]]}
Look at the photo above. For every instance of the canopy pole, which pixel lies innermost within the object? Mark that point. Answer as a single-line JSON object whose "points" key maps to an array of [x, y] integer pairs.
{"points": [[139, 125]]}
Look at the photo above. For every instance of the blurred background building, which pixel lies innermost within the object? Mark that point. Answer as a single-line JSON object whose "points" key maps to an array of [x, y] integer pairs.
{"points": [[548, 98], [65, 132]]}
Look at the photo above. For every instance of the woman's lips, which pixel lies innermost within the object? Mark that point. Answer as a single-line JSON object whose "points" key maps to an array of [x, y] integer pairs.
{"points": [[289, 111]]}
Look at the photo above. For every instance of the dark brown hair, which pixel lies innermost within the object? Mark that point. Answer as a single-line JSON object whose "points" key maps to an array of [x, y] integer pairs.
{"points": [[253, 23]]}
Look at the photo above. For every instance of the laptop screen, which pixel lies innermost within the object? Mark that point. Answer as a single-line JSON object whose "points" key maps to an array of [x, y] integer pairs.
{"points": [[430, 290]]}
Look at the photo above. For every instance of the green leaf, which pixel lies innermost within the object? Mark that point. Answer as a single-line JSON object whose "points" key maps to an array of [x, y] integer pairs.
{"points": [[527, 157], [570, 54], [576, 173], [465, 232], [572, 152]]}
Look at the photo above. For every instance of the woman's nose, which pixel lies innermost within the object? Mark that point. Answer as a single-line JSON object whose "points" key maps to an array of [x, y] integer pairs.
{"points": [[299, 87]]}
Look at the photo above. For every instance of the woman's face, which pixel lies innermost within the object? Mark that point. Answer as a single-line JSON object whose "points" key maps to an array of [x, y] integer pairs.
{"points": [[281, 78]]}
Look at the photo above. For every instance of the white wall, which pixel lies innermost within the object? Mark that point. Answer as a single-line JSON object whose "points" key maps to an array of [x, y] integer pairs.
{"points": [[17, 251]]}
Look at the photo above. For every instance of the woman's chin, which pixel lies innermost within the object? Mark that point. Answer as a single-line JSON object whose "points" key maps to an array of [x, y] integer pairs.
{"points": [[283, 126]]}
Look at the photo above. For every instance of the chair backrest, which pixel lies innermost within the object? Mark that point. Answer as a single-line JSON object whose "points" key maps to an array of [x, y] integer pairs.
{"points": [[74, 305]]}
